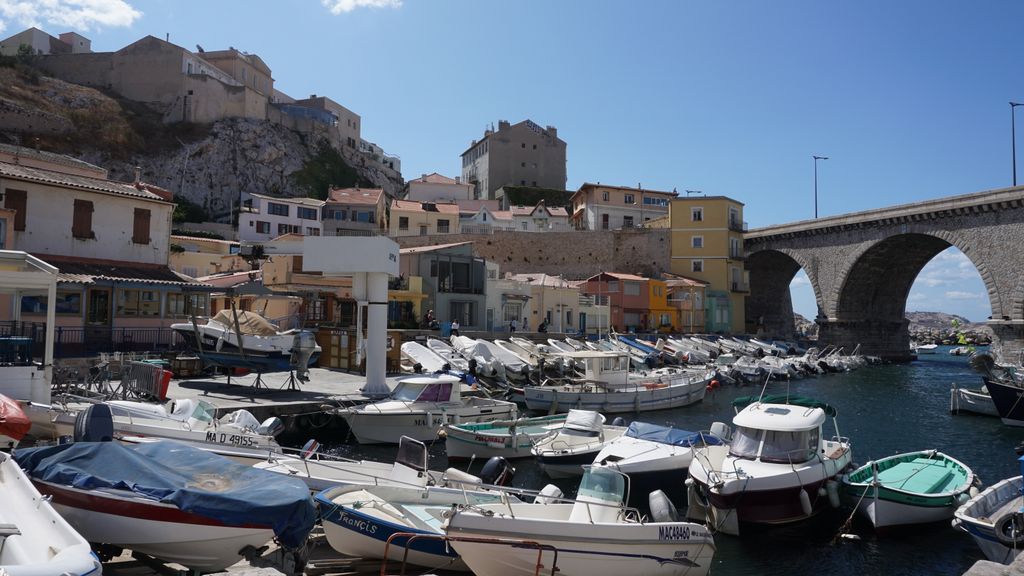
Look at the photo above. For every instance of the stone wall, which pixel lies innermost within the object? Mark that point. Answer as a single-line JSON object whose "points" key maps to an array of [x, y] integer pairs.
{"points": [[574, 255]]}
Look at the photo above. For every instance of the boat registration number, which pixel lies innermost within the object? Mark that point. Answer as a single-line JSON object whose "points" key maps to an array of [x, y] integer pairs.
{"points": [[673, 532], [233, 439], [423, 422]]}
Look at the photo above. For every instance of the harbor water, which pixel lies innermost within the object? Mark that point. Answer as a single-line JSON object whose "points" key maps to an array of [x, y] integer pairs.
{"points": [[883, 410]]}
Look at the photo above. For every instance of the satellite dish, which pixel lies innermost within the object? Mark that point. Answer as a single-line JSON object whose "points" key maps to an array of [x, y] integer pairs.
{"points": [[200, 48]]}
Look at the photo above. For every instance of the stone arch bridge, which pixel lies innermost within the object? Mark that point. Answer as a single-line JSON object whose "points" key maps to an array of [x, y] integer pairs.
{"points": [[862, 266]]}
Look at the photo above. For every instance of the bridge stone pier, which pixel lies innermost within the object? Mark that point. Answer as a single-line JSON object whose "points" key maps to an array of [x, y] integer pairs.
{"points": [[862, 265]]}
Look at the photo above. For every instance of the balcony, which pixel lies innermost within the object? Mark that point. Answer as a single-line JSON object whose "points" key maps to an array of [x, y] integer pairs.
{"points": [[742, 287], [735, 225], [737, 255]]}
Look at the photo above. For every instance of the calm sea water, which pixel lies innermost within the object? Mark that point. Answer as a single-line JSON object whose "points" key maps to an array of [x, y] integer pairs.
{"points": [[883, 410]]}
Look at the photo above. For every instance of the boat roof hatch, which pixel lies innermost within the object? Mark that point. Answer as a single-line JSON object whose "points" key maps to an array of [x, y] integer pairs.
{"points": [[780, 417]]}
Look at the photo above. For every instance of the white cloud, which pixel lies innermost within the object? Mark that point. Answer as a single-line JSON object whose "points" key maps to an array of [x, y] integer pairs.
{"points": [[342, 6], [80, 15], [958, 295], [800, 279]]}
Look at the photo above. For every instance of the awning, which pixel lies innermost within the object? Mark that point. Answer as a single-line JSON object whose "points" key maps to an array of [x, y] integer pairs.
{"points": [[71, 272]]}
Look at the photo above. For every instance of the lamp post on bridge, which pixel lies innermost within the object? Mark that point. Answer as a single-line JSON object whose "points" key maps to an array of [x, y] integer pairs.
{"points": [[816, 158], [1013, 137]]}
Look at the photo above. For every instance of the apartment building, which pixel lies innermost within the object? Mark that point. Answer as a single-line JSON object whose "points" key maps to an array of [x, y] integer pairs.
{"points": [[262, 218], [343, 122], [628, 297], [522, 154], [453, 280], [707, 245], [507, 300], [438, 188], [41, 43], [603, 207], [410, 218], [539, 218], [196, 256], [354, 209]]}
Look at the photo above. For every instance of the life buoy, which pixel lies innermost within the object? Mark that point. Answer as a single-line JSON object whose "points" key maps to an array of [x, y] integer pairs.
{"points": [[1009, 530]]}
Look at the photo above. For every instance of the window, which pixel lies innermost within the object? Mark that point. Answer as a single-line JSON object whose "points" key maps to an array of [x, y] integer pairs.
{"points": [[363, 216], [627, 199], [613, 286], [277, 209], [3, 234], [627, 221], [484, 217], [631, 288], [288, 229], [138, 303], [745, 443], [534, 146], [307, 213], [604, 196], [604, 221], [523, 144], [697, 241], [81, 225], [524, 224], [655, 201], [735, 248], [568, 317], [442, 226], [403, 222], [182, 304], [522, 164], [140, 228], [522, 182], [512, 311], [316, 309], [697, 214], [462, 311], [696, 265], [423, 229], [262, 227], [67, 303], [340, 214], [312, 231], [16, 200]]}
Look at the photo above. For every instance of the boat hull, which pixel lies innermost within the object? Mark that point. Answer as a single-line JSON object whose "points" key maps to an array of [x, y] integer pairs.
{"points": [[159, 530], [463, 443], [387, 428], [984, 514], [886, 513], [619, 401], [567, 465], [1007, 400], [972, 400]]}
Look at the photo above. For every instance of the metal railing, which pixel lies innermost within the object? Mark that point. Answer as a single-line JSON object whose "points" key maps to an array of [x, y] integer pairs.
{"points": [[76, 341]]}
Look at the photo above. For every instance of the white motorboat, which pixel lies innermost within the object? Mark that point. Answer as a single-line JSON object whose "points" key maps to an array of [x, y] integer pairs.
{"points": [[246, 339], [419, 407], [14, 423], [505, 438], [777, 469], [596, 535], [487, 364], [564, 453], [418, 358], [446, 352], [170, 501], [608, 386], [34, 539], [190, 421], [994, 519], [657, 457], [976, 400], [920, 349]]}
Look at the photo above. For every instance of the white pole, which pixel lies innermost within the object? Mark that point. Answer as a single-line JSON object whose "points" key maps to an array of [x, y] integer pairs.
{"points": [[41, 394]]}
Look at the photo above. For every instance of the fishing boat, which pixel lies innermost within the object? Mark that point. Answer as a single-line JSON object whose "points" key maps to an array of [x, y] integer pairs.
{"points": [[608, 386], [656, 457], [777, 469], [595, 535], [995, 520], [564, 453], [34, 539], [976, 400], [505, 438], [244, 339], [1006, 394], [912, 488], [418, 408], [170, 501], [14, 423]]}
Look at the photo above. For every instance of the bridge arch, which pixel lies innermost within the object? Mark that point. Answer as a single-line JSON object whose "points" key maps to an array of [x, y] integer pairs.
{"points": [[770, 305]]}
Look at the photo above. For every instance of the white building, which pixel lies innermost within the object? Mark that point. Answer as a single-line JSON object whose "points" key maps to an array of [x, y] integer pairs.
{"points": [[42, 43], [437, 188], [539, 218], [264, 218], [507, 300], [483, 216]]}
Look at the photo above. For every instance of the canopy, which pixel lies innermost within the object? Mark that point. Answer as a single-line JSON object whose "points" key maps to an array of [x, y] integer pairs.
{"points": [[13, 421], [249, 323], [673, 436], [194, 480], [586, 420], [744, 401]]}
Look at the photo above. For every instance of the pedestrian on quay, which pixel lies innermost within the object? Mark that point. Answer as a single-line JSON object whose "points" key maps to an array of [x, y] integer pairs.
{"points": [[512, 326], [455, 327]]}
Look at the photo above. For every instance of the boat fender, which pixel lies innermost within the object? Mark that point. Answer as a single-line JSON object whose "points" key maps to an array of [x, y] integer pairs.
{"points": [[962, 498], [973, 491], [458, 476], [220, 342], [442, 433], [497, 471], [662, 509], [549, 494], [618, 421], [1009, 530], [832, 488], [805, 503]]}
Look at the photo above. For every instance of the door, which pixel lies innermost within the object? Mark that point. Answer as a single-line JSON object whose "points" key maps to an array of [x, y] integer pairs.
{"points": [[98, 336], [583, 322], [490, 319]]}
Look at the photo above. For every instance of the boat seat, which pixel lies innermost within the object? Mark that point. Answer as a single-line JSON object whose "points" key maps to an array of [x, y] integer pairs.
{"points": [[922, 475], [9, 530]]}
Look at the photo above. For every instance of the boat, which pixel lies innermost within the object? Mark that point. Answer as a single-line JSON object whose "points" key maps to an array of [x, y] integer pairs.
{"points": [[419, 407], [608, 386], [920, 349], [186, 420], [564, 453], [778, 468], [263, 348], [912, 488], [448, 354], [34, 539], [595, 535], [505, 438], [14, 423], [976, 400], [995, 520], [1006, 396], [961, 351], [169, 500], [656, 457]]}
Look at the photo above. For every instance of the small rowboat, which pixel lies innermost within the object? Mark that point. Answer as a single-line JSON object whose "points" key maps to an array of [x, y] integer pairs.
{"points": [[912, 488], [505, 438]]}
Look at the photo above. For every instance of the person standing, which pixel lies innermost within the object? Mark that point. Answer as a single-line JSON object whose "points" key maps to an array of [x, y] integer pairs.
{"points": [[512, 326], [455, 327]]}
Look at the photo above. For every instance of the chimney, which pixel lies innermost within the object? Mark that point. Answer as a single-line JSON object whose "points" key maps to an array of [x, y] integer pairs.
{"points": [[424, 176], [138, 175], [458, 179], [503, 125], [552, 131]]}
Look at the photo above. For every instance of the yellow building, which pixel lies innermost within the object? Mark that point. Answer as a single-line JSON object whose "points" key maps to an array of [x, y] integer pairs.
{"points": [[707, 244], [410, 218], [661, 317]]}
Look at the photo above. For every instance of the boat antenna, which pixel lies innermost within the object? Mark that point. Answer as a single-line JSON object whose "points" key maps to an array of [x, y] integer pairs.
{"points": [[764, 387]]}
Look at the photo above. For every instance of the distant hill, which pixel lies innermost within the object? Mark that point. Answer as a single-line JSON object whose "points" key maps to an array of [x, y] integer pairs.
{"points": [[942, 322]]}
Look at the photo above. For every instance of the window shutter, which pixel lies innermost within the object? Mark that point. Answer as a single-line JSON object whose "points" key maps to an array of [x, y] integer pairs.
{"points": [[81, 225], [296, 263], [16, 200], [140, 234]]}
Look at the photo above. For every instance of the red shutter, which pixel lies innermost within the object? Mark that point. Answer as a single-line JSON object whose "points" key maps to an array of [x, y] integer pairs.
{"points": [[81, 225], [140, 233], [16, 200]]}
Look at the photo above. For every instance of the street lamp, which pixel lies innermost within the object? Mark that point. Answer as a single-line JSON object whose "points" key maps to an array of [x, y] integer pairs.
{"points": [[816, 158], [1013, 138]]}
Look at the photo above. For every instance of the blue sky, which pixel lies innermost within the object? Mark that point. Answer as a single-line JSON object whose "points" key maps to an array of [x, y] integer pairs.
{"points": [[908, 99]]}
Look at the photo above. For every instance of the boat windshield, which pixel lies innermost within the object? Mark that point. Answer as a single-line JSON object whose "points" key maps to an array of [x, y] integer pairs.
{"points": [[406, 391], [789, 447], [603, 484], [437, 392], [204, 412], [745, 442]]}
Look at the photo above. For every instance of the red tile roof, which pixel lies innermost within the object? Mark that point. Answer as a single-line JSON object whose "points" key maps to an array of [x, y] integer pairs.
{"points": [[367, 196], [20, 172], [414, 206], [435, 178]]}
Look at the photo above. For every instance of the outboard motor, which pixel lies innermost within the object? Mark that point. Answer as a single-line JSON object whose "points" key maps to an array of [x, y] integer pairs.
{"points": [[417, 368], [619, 421], [472, 366], [270, 427], [549, 494], [662, 509], [94, 424], [303, 347], [497, 471]]}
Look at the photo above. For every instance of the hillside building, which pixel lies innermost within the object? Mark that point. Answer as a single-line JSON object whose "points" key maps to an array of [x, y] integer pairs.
{"points": [[42, 43], [522, 154], [603, 207], [262, 218], [410, 218], [438, 188], [354, 210]]}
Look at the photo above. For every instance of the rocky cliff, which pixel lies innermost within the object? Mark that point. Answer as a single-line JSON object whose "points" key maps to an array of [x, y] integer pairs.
{"points": [[208, 165]]}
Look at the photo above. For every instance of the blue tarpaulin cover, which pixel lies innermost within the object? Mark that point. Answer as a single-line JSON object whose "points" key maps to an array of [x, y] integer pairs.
{"points": [[194, 480], [673, 436]]}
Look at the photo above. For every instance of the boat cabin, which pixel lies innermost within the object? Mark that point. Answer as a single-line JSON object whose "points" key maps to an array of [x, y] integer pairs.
{"points": [[428, 389], [603, 367], [778, 433], [602, 494]]}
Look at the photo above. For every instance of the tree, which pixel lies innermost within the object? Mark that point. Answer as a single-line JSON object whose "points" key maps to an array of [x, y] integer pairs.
{"points": [[324, 170]]}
